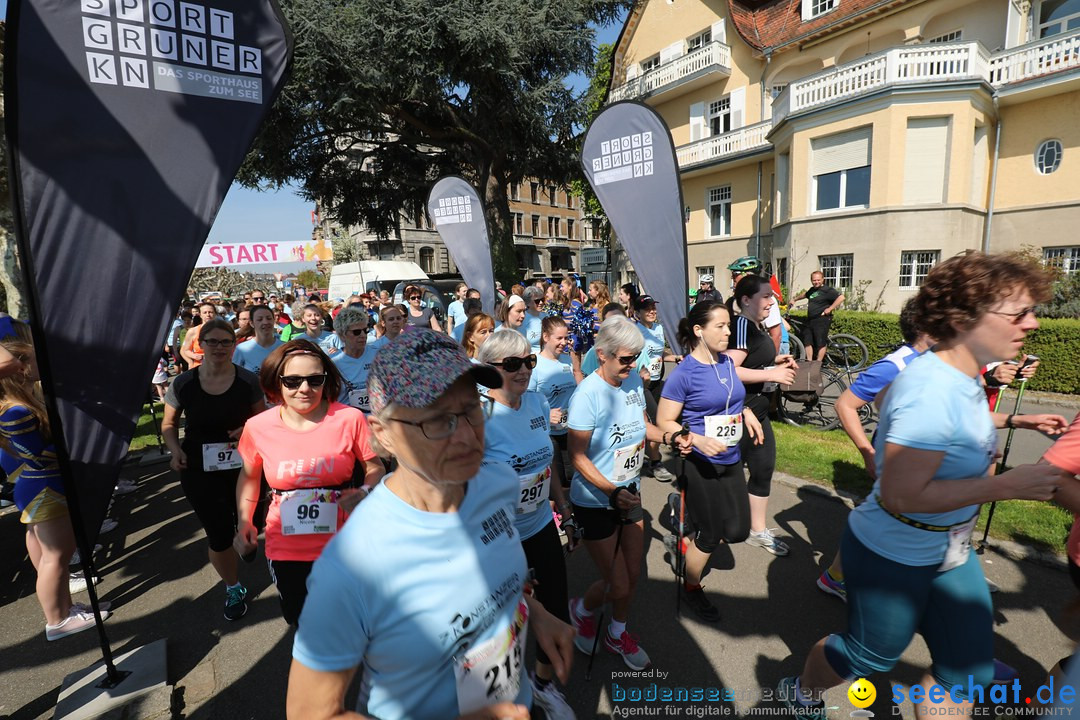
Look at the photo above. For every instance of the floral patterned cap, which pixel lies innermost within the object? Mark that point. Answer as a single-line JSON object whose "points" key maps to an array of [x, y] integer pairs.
{"points": [[415, 370]]}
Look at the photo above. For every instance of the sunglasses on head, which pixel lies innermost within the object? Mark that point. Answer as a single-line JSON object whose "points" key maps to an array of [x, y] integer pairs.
{"points": [[293, 382], [513, 364]]}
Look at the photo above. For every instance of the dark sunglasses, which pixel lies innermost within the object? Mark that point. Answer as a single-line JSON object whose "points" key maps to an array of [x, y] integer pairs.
{"points": [[293, 382], [213, 342], [414, 297], [513, 364], [358, 333], [626, 360]]}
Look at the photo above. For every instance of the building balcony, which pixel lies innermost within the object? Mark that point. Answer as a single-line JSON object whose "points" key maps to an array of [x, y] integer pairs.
{"points": [[675, 77], [723, 147], [1042, 57]]}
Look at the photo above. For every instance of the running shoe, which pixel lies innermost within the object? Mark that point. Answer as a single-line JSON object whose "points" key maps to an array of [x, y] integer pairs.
{"points": [[235, 603], [76, 558], [75, 622], [827, 584], [785, 693], [661, 473], [585, 625], [552, 701], [671, 544], [768, 542], [627, 646], [697, 601], [1003, 674], [77, 582], [674, 501]]}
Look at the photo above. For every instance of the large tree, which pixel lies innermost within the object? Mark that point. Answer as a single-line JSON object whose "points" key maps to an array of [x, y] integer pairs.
{"points": [[388, 95]]}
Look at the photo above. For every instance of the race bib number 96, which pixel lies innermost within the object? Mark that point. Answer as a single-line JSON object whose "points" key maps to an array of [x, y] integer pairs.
{"points": [[309, 512]]}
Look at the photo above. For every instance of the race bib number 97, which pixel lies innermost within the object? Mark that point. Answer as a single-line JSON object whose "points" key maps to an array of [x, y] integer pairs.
{"points": [[220, 456]]}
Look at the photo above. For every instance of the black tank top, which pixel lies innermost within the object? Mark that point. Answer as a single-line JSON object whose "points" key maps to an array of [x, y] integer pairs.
{"points": [[209, 418]]}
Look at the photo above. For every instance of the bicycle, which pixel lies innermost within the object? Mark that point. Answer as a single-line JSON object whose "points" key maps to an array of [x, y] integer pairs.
{"points": [[843, 351], [814, 410]]}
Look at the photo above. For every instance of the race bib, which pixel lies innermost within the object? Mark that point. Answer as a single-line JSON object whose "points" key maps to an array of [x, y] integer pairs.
{"points": [[656, 364], [359, 399], [728, 429], [309, 512], [534, 491], [561, 425], [491, 672], [959, 545], [220, 456], [628, 463]]}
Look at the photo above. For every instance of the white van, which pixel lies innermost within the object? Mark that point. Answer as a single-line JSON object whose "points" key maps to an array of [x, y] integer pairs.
{"points": [[371, 275]]}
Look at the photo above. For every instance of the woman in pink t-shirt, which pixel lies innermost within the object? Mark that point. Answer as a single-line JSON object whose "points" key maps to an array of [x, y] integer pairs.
{"points": [[312, 450]]}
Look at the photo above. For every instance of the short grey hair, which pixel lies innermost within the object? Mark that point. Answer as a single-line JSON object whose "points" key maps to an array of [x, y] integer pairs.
{"points": [[348, 317], [501, 344], [618, 332], [532, 293]]}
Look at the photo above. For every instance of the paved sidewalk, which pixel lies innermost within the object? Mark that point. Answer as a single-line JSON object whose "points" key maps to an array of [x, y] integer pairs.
{"points": [[156, 574]]}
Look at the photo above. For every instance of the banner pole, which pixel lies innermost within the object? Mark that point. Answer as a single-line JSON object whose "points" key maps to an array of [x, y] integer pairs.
{"points": [[40, 349]]}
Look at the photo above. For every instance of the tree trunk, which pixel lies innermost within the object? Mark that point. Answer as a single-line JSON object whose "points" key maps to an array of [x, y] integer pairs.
{"points": [[11, 276], [501, 231]]}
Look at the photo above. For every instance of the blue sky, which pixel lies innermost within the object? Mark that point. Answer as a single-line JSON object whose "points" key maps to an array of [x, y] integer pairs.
{"points": [[283, 216]]}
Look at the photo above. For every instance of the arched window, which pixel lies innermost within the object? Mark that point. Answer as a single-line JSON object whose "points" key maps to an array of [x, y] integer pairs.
{"points": [[427, 259]]}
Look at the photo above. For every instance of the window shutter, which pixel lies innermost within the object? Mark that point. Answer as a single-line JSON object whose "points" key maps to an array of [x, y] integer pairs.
{"points": [[738, 107], [697, 121], [924, 160], [672, 51], [632, 71], [841, 151], [719, 31], [978, 169]]}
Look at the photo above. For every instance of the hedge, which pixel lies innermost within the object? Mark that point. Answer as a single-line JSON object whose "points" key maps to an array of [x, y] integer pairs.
{"points": [[1056, 342]]}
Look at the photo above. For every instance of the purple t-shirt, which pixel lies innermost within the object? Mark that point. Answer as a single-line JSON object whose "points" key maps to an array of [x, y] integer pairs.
{"points": [[707, 390]]}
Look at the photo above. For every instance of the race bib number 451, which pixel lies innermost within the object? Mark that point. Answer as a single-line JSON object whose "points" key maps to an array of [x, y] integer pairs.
{"points": [[628, 463]]}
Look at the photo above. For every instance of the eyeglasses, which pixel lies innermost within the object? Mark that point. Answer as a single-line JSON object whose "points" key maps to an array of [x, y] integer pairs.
{"points": [[1016, 317], [626, 360], [293, 382], [358, 333], [444, 426], [513, 364], [211, 342], [414, 297]]}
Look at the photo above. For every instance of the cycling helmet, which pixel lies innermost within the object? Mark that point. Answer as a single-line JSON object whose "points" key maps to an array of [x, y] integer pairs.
{"points": [[746, 264], [705, 279]]}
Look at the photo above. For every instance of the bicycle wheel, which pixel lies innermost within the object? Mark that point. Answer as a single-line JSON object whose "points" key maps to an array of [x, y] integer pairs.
{"points": [[796, 347], [847, 352], [819, 413]]}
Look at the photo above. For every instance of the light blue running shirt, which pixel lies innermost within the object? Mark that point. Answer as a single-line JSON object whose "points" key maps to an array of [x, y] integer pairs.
{"points": [[250, 355], [354, 373], [532, 329], [930, 406], [616, 418], [407, 594], [554, 379], [653, 352], [519, 438]]}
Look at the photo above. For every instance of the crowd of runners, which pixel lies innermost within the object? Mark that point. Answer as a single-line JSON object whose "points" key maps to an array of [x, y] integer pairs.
{"points": [[419, 481]]}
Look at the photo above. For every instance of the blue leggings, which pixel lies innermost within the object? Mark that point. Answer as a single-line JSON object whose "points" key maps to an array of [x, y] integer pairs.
{"points": [[889, 602]]}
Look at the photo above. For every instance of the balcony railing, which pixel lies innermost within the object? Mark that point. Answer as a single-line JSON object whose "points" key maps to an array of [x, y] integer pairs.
{"points": [[1049, 55], [719, 147], [671, 72]]}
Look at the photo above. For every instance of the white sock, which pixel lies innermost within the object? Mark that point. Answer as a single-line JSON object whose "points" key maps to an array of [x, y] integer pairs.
{"points": [[579, 608], [616, 629]]}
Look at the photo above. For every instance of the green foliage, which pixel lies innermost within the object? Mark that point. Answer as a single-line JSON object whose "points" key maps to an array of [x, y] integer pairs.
{"points": [[1065, 302], [386, 96], [311, 280], [599, 81], [1055, 343]]}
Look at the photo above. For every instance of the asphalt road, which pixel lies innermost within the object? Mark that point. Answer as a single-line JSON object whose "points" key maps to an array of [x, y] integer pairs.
{"points": [[156, 575]]}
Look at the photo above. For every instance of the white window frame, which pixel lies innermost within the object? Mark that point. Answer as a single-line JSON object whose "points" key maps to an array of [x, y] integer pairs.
{"points": [[535, 225], [916, 261], [833, 267], [718, 109], [718, 197], [519, 223], [952, 36], [650, 63], [1065, 258], [843, 192], [812, 9], [699, 41], [1040, 153], [1041, 27]]}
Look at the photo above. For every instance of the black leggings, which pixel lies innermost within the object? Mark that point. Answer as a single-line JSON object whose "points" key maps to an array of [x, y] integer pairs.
{"points": [[544, 554], [560, 463], [760, 459], [213, 498], [717, 501], [290, 578]]}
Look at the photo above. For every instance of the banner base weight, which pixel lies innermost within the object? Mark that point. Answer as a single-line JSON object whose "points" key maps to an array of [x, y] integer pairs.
{"points": [[83, 696]]}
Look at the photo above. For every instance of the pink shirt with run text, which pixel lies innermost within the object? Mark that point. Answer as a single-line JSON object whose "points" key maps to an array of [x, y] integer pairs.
{"points": [[1065, 454], [320, 458]]}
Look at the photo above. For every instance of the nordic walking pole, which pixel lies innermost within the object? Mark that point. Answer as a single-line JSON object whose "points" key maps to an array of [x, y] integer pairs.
{"points": [[1005, 454], [982, 544], [680, 560]]}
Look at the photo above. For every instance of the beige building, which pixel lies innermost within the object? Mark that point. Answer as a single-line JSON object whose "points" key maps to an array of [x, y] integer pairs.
{"points": [[868, 138], [549, 234]]}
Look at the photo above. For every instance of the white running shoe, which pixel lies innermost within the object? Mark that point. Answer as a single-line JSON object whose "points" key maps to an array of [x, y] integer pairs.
{"points": [[552, 701], [77, 582], [75, 622]]}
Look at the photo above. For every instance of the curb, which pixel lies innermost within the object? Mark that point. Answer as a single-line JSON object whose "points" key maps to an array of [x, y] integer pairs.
{"points": [[1006, 548]]}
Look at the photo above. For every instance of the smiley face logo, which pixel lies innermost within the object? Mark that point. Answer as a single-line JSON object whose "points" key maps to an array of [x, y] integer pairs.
{"points": [[862, 693]]}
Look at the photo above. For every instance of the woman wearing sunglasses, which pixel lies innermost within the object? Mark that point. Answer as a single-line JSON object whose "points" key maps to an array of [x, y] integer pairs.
{"points": [[314, 451], [608, 430], [518, 435], [354, 362], [420, 316], [425, 588], [216, 398]]}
